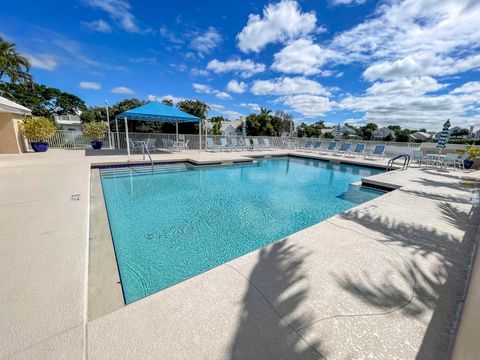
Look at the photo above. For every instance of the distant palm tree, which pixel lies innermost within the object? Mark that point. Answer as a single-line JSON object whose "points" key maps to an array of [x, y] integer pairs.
{"points": [[265, 111], [12, 64]]}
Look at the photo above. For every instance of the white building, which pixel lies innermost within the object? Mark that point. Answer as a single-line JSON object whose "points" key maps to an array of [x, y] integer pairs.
{"points": [[382, 133], [420, 136], [69, 122], [229, 128]]}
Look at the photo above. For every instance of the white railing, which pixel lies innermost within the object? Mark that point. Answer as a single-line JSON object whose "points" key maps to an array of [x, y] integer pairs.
{"points": [[65, 139]]}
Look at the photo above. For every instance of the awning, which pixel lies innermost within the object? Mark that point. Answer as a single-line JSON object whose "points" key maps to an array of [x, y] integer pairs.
{"points": [[9, 106], [156, 111]]}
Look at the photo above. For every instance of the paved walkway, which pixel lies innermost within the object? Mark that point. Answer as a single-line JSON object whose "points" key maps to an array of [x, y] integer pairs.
{"points": [[385, 280]]}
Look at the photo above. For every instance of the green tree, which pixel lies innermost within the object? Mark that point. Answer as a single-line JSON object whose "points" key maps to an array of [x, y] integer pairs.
{"points": [[13, 65], [168, 102], [402, 135], [287, 120], [366, 132], [43, 100], [94, 114], [217, 124], [196, 108], [134, 126]]}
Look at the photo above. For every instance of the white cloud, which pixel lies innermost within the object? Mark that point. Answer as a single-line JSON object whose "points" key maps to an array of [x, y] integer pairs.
{"points": [[206, 42], [198, 72], [216, 107], [231, 115], [88, 85], [468, 88], [202, 88], [222, 95], [408, 86], [347, 2], [251, 106], [309, 105], [122, 90], [165, 97], [43, 61], [302, 56], [119, 11], [236, 87], [280, 22], [98, 25], [245, 68], [287, 86]]}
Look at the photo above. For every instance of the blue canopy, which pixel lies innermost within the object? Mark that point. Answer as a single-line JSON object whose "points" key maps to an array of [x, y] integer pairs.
{"points": [[157, 111]]}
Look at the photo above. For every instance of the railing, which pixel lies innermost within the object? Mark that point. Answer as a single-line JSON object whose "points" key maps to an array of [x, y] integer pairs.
{"points": [[406, 162], [66, 139]]}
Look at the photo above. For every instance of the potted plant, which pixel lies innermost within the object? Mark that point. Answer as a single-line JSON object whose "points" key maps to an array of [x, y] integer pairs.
{"points": [[472, 152], [95, 131], [38, 131]]}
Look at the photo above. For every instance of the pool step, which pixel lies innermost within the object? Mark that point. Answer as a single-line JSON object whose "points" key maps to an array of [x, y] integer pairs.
{"points": [[141, 170]]}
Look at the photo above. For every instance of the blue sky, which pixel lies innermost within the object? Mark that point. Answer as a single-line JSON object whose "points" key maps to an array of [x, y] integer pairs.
{"points": [[407, 62]]}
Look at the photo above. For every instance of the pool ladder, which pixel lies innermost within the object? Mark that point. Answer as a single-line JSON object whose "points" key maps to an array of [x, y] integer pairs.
{"points": [[406, 162], [145, 150]]}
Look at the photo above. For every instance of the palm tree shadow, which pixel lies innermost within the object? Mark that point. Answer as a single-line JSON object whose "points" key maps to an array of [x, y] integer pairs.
{"points": [[268, 323], [439, 290]]}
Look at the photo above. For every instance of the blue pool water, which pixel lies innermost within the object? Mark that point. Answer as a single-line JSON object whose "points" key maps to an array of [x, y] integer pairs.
{"points": [[180, 221]]}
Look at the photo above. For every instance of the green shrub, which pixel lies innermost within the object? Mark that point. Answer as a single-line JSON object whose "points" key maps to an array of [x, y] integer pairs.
{"points": [[37, 129], [95, 130], [464, 141]]}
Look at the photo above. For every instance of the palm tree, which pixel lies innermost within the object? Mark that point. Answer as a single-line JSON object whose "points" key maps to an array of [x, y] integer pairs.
{"points": [[265, 111], [12, 64]]}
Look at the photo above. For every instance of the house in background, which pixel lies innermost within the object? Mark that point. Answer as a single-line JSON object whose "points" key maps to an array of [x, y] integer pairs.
{"points": [[11, 114], [348, 132], [383, 133], [68, 122], [420, 136], [229, 128]]}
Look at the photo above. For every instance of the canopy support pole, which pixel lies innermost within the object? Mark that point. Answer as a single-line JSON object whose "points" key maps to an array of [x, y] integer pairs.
{"points": [[200, 136], [126, 136], [176, 132], [118, 138]]}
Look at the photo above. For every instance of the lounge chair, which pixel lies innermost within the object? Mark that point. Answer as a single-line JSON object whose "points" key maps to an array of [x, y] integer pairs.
{"points": [[256, 144], [246, 144], [266, 144], [343, 150], [224, 145], [167, 144], [211, 145], [234, 143], [308, 146], [377, 153], [317, 145], [135, 145], [357, 151], [329, 149], [285, 143]]}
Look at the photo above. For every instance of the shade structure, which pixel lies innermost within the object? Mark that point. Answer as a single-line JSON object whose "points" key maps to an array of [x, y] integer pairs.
{"points": [[338, 132], [444, 135], [158, 112]]}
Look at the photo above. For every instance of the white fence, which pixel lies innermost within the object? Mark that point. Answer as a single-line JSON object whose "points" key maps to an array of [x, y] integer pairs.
{"points": [[65, 139]]}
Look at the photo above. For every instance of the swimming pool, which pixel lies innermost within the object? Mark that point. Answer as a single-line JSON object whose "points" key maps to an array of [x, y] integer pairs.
{"points": [[179, 221]]}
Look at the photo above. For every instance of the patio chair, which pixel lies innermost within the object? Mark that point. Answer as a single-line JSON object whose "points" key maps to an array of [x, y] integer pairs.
{"points": [[357, 151], [316, 146], [329, 149], [343, 150], [460, 161], [256, 144], [449, 159], [246, 144], [150, 145], [167, 144], [377, 153], [135, 145], [266, 144], [419, 157]]}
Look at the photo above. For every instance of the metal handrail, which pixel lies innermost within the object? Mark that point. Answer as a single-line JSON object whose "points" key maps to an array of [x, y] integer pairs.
{"points": [[406, 162], [145, 149]]}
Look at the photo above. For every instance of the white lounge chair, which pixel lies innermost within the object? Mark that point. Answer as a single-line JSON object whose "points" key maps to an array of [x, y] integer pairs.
{"points": [[329, 149], [256, 144], [308, 146], [210, 145], [234, 143], [224, 145], [460, 161], [246, 144], [150, 145], [449, 160], [316, 146], [419, 157], [343, 150], [266, 144]]}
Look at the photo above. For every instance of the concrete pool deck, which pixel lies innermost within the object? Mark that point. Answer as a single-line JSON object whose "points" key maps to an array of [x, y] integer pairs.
{"points": [[385, 280]]}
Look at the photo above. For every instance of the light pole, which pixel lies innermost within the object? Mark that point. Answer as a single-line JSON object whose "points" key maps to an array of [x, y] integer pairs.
{"points": [[108, 125]]}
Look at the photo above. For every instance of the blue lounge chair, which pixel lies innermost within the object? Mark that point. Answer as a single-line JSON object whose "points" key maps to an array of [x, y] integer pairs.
{"points": [[266, 144], [234, 143], [211, 145], [316, 146], [246, 144], [358, 150], [256, 144], [330, 148], [343, 150], [308, 146], [377, 153], [224, 144]]}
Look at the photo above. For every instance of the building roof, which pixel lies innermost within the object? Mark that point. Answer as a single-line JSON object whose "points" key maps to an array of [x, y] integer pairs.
{"points": [[9, 106], [157, 111]]}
